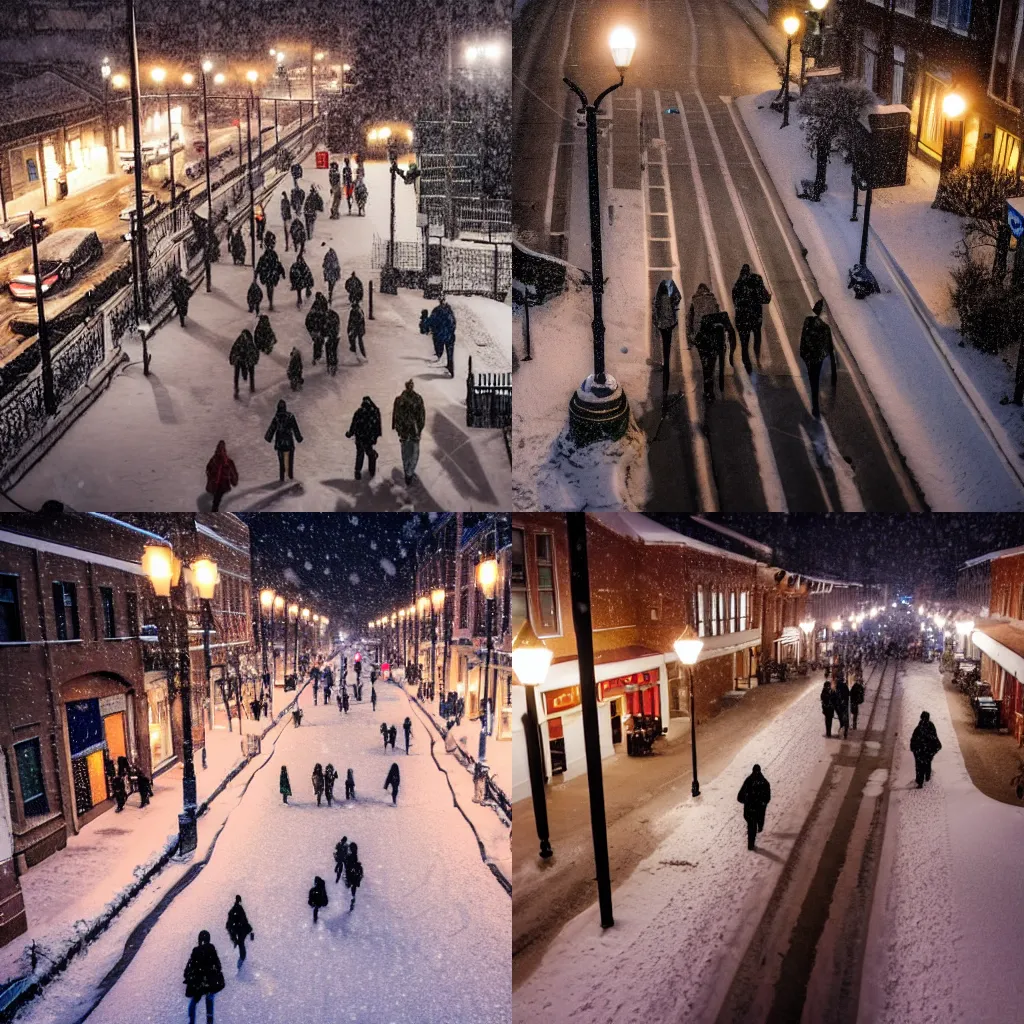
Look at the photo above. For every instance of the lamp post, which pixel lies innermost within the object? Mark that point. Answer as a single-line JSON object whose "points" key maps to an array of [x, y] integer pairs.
{"points": [[393, 637], [789, 26], [278, 609], [403, 634], [530, 663], [159, 75], [49, 394], [141, 246], [293, 612], [487, 581], [811, 43], [422, 606], [808, 628], [205, 577], [305, 633], [207, 67], [688, 648], [599, 408], [267, 606], [108, 141], [251, 77], [964, 628], [389, 275], [953, 108], [437, 596]]}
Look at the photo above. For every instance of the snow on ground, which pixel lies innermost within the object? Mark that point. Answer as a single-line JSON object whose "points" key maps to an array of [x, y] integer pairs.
{"points": [[960, 455], [144, 445], [671, 945], [944, 943], [428, 940]]}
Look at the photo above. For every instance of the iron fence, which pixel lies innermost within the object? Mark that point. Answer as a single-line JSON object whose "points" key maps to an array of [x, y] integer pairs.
{"points": [[408, 255], [496, 794], [477, 270], [488, 399], [21, 416], [488, 217], [80, 355], [121, 317]]}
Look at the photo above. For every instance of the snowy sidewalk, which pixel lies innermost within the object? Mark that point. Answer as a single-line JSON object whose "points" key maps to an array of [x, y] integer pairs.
{"points": [[944, 943], [144, 445]]}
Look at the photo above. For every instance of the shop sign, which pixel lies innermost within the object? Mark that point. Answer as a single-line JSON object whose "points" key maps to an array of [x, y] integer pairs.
{"points": [[112, 705], [558, 701]]}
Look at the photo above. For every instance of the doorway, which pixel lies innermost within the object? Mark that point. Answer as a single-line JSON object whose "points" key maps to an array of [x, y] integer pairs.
{"points": [[616, 713], [556, 745]]}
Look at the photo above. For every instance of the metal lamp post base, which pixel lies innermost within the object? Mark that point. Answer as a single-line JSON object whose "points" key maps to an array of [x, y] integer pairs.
{"points": [[598, 412], [188, 834]]}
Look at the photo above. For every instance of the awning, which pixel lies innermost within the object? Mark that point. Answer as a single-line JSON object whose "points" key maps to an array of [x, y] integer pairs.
{"points": [[790, 636], [1004, 644]]}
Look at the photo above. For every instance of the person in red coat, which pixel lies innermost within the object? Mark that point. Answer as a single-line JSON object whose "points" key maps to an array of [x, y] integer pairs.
{"points": [[221, 475]]}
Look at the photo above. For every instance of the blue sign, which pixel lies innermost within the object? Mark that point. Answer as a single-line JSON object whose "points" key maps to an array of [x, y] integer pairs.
{"points": [[1015, 222]]}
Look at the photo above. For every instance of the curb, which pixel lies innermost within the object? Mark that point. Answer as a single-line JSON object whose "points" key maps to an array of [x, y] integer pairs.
{"points": [[23, 990], [757, 21]]}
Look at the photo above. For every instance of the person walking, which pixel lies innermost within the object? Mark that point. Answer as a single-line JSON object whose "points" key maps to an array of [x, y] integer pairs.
{"points": [[408, 418], [394, 778], [354, 288], [344, 701], [312, 206], [710, 342], [244, 356], [270, 271], [286, 216], [259, 215], [702, 304], [236, 246], [755, 794], [392, 735], [120, 791], [284, 432], [180, 294], [221, 474], [356, 329], [264, 335], [298, 197], [145, 788], [318, 897], [295, 370], [828, 704], [353, 879], [300, 277], [239, 928], [373, 697], [340, 856], [315, 325], [330, 777], [440, 324], [335, 201], [332, 328], [384, 733], [318, 782], [254, 296], [749, 296], [284, 785], [298, 233], [362, 194], [350, 785], [407, 728], [856, 699], [333, 174], [346, 180], [815, 347], [366, 430], [924, 745], [842, 699], [332, 273], [204, 977], [665, 317]]}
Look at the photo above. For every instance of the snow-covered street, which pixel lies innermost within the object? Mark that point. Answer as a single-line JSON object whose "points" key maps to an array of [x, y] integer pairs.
{"points": [[428, 939]]}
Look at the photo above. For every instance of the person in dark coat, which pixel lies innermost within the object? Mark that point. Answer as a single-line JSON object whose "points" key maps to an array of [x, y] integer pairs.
{"points": [[318, 896], [239, 928], [350, 785], [815, 347], [269, 271], [298, 198], [203, 977], [180, 295], [394, 778], [441, 326], [407, 728], [665, 317], [120, 791], [408, 418], [346, 181], [236, 246], [362, 194], [315, 325], [755, 794], [264, 335], [392, 735], [354, 288], [332, 273], [244, 356], [334, 175], [254, 296], [373, 696], [330, 777], [335, 201], [260, 217], [221, 475], [145, 787], [284, 432], [340, 856], [356, 329], [285, 786], [924, 745], [298, 233], [384, 733], [353, 879], [295, 370], [749, 295], [842, 699], [332, 336], [286, 216], [309, 209], [300, 277], [318, 782], [856, 699], [366, 430], [710, 342], [828, 704], [344, 701]]}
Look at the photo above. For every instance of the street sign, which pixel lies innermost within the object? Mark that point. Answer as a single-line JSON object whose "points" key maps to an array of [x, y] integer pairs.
{"points": [[322, 159], [1015, 216]]}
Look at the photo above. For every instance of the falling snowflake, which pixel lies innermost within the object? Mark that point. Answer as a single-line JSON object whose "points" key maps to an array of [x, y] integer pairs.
{"points": [[353, 578], [402, 552], [354, 520], [327, 571], [388, 566], [292, 576], [302, 526], [373, 545], [290, 555], [309, 565]]}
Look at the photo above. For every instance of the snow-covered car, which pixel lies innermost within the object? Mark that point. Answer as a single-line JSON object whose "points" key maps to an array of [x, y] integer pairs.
{"points": [[149, 204], [61, 256], [14, 233]]}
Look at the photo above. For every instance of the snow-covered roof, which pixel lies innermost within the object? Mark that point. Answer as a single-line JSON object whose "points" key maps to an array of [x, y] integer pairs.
{"points": [[993, 555], [755, 545], [639, 528]]}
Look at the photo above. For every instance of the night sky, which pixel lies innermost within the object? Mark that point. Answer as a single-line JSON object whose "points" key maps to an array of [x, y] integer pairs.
{"points": [[901, 550], [351, 568]]}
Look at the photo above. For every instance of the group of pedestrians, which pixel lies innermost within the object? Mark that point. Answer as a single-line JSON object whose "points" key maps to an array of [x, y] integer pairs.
{"points": [[840, 700], [390, 733], [708, 326]]}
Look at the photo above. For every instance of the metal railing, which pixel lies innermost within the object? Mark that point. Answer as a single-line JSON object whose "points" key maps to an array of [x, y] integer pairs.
{"points": [[408, 255], [488, 399], [476, 215], [477, 270]]}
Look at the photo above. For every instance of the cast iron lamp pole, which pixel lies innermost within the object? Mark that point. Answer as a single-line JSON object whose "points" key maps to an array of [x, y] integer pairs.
{"points": [[293, 613], [530, 663], [487, 580], [267, 605], [207, 66], [436, 605], [688, 648], [599, 408], [789, 25]]}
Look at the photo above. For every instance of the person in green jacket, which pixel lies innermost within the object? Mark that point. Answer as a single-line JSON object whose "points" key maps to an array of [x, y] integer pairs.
{"points": [[408, 418]]}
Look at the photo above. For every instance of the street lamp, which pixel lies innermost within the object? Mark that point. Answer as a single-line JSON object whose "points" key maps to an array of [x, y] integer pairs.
{"points": [[530, 663], [207, 67], [159, 75], [808, 628], [141, 246], [267, 606], [812, 42], [965, 627], [598, 407], [403, 634], [293, 614], [789, 26], [487, 581], [422, 604], [688, 648], [953, 107], [279, 609], [437, 597], [108, 141]]}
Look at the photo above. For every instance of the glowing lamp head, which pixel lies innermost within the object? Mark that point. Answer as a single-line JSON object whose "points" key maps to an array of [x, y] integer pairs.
{"points": [[837, 625], [623, 46], [316, 618], [965, 626], [267, 599], [188, 78], [530, 658], [394, 619], [819, 5], [105, 67], [492, 51], [401, 613], [790, 25], [318, 56], [939, 620], [422, 605], [953, 105], [305, 614], [372, 624], [278, 603], [472, 52], [487, 577], [688, 647], [205, 577], [384, 133], [293, 612], [207, 66], [158, 565], [807, 626], [346, 67], [251, 76], [437, 598], [280, 57], [411, 610], [324, 621], [158, 75], [119, 81]]}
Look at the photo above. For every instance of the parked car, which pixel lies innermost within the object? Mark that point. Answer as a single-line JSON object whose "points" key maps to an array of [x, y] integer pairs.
{"points": [[14, 233], [61, 256], [150, 203]]}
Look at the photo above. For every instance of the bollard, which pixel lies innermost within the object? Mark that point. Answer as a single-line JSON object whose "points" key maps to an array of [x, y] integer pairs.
{"points": [[371, 299]]}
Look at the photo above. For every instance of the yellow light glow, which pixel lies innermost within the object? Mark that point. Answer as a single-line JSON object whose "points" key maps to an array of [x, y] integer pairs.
{"points": [[158, 565], [278, 603], [158, 74], [819, 5], [790, 25], [530, 658], [251, 76], [372, 136], [371, 625], [218, 79], [385, 133], [188, 78], [437, 598], [623, 46], [293, 611], [409, 134], [346, 67], [423, 604], [318, 56], [207, 65], [953, 105], [119, 81], [305, 614], [316, 618], [205, 577], [487, 577], [267, 599], [472, 52]]}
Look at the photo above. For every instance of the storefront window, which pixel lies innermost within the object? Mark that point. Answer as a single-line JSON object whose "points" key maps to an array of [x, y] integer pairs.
{"points": [[65, 607], [10, 611], [87, 741], [30, 775], [1006, 152], [159, 724], [932, 91], [700, 612], [547, 601]]}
